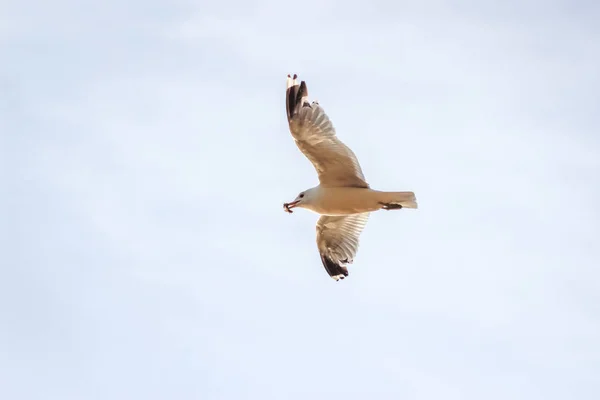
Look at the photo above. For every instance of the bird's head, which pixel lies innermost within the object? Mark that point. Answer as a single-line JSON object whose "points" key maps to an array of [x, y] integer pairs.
{"points": [[301, 200]]}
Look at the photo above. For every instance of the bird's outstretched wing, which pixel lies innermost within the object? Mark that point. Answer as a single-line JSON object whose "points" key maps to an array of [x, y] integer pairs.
{"points": [[315, 136], [337, 241]]}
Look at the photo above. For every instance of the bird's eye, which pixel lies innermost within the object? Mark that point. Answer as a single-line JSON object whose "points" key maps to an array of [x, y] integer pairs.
{"points": [[301, 195]]}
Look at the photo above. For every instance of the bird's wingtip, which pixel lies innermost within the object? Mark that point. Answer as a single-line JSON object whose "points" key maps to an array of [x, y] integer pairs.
{"points": [[339, 276], [292, 81], [335, 270]]}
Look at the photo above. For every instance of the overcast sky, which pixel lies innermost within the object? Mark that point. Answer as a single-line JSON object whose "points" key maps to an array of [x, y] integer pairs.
{"points": [[146, 157]]}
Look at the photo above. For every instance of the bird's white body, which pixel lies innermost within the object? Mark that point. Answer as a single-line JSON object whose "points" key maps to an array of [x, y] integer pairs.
{"points": [[338, 201]]}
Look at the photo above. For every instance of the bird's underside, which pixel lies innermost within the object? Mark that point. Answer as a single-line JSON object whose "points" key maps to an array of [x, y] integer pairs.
{"points": [[343, 198]]}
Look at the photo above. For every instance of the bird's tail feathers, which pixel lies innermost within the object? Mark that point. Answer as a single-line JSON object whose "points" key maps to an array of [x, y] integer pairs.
{"points": [[398, 200]]}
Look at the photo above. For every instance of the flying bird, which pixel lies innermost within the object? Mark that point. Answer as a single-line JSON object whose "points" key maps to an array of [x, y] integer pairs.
{"points": [[343, 197]]}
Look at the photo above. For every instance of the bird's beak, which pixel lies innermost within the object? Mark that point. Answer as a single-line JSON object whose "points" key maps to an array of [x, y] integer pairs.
{"points": [[287, 207]]}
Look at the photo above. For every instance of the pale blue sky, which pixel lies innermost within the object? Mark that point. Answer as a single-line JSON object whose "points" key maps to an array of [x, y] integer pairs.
{"points": [[146, 157]]}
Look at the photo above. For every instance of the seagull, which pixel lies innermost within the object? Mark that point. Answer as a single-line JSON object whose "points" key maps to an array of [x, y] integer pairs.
{"points": [[343, 197]]}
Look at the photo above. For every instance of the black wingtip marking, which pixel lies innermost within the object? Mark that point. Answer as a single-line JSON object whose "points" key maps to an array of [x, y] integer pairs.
{"points": [[302, 92], [294, 95], [334, 269], [290, 102], [291, 98]]}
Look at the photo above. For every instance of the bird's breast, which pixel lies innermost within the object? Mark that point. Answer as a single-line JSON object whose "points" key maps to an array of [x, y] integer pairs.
{"points": [[344, 201]]}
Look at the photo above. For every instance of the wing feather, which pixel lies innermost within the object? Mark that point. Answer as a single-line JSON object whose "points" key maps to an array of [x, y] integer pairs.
{"points": [[314, 134], [338, 240]]}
